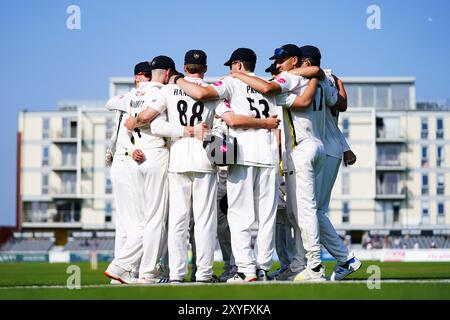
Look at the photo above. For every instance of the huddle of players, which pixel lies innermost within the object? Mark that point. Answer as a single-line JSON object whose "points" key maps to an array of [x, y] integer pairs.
{"points": [[156, 189]]}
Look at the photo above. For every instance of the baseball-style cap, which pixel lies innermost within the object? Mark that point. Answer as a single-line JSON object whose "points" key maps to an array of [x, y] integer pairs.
{"points": [[162, 62], [195, 57], [311, 52], [242, 54], [288, 50], [142, 67], [272, 68]]}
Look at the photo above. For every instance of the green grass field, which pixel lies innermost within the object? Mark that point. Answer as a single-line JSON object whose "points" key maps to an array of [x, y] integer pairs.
{"points": [[48, 281]]}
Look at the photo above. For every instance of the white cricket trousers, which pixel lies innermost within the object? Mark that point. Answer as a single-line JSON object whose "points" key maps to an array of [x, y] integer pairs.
{"points": [[298, 262], [305, 186], [125, 181], [197, 191], [252, 197], [328, 235], [145, 248]]}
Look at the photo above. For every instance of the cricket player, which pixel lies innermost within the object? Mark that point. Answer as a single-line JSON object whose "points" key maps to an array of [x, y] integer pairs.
{"points": [[336, 147], [284, 240], [304, 133], [145, 248], [253, 180], [124, 170]]}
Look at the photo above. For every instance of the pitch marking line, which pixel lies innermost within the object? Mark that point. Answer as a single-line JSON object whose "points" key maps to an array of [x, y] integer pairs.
{"points": [[406, 281]]}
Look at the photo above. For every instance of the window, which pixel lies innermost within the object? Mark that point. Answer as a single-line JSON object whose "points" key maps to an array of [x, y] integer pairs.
{"points": [[440, 156], [367, 95], [345, 183], [425, 208], [45, 128], [388, 128], [45, 156], [65, 128], [345, 212], [441, 209], [69, 155], [424, 154], [439, 129], [425, 185], [346, 128], [45, 184], [382, 97], [424, 128], [108, 185], [425, 212], [389, 184], [440, 184], [68, 183], [388, 155], [400, 96], [396, 212], [352, 95], [108, 211]]}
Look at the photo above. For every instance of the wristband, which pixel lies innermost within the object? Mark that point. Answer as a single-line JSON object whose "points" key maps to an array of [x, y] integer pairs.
{"points": [[178, 77]]}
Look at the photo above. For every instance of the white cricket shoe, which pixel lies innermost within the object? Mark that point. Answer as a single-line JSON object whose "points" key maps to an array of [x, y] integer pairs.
{"points": [[119, 274], [288, 274], [343, 270], [240, 277], [115, 282], [309, 275]]}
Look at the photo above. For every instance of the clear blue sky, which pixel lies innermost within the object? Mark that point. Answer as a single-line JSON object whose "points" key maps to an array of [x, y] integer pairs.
{"points": [[43, 62]]}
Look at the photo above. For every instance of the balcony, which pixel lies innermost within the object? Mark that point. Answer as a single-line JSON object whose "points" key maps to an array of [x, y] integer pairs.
{"points": [[390, 187], [392, 165], [67, 216], [67, 191], [61, 137], [51, 219], [388, 158], [68, 163], [388, 131]]}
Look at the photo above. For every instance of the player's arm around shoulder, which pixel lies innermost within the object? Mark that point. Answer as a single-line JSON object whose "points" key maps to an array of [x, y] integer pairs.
{"points": [[155, 103], [196, 91], [258, 84], [309, 72], [238, 121]]}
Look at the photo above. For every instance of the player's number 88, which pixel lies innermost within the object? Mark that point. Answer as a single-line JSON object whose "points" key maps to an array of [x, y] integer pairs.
{"points": [[197, 111]]}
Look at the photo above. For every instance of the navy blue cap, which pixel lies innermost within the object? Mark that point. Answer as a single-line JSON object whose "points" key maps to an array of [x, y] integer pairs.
{"points": [[311, 52], [242, 54], [195, 57], [273, 69], [162, 62], [142, 67], [288, 50]]}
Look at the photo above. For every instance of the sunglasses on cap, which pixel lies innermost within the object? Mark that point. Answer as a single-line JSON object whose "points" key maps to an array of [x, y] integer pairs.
{"points": [[279, 51]]}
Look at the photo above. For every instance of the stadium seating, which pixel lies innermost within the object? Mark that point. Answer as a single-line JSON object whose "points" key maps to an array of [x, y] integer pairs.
{"points": [[406, 242], [90, 244], [22, 245]]}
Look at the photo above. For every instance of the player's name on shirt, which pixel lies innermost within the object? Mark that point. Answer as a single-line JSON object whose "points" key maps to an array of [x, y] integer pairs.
{"points": [[179, 92]]}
